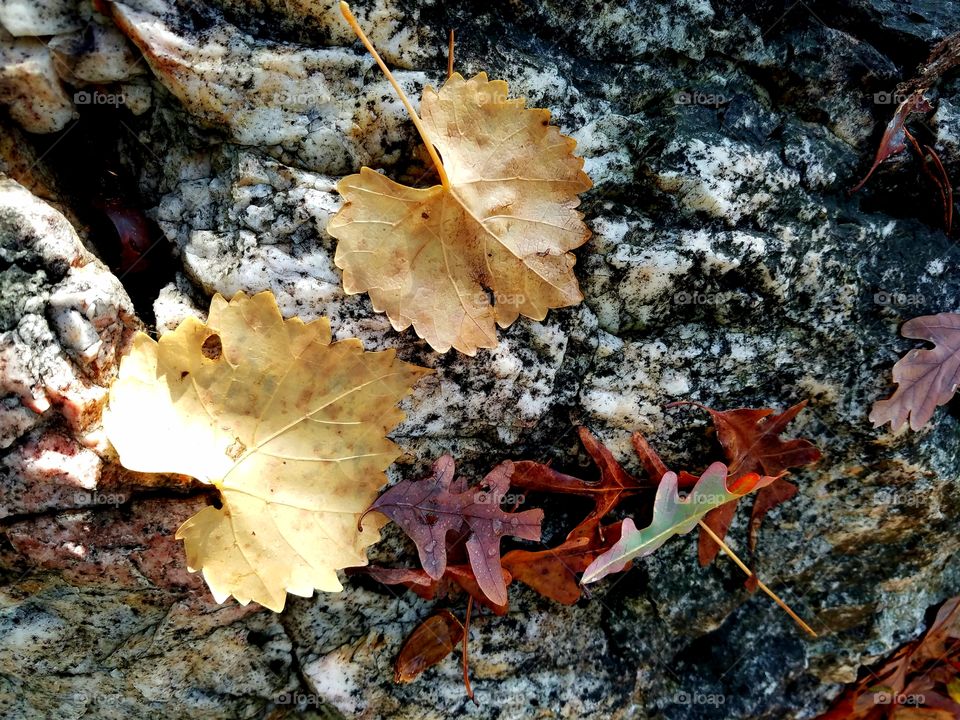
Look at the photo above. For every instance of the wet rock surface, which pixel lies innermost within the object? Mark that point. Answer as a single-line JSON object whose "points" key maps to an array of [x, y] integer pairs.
{"points": [[729, 266]]}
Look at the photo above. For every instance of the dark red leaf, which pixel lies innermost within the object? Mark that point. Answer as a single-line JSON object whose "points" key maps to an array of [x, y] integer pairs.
{"points": [[427, 510]]}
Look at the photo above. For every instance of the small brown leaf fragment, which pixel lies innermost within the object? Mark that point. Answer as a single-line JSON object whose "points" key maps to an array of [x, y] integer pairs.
{"points": [[894, 136], [428, 644]]}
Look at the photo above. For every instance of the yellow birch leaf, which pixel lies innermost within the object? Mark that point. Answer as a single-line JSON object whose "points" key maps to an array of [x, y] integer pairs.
{"points": [[489, 243], [288, 426]]}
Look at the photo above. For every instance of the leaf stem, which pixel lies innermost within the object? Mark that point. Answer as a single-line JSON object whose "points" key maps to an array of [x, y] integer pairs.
{"points": [[355, 26], [733, 556], [466, 640], [450, 56]]}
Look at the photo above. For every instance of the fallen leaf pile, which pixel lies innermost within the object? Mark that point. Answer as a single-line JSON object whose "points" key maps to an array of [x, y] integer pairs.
{"points": [[488, 244], [445, 518], [920, 682], [288, 426], [925, 378]]}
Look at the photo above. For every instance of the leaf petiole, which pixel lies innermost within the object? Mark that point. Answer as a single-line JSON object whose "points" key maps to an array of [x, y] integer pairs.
{"points": [[355, 26], [760, 584]]}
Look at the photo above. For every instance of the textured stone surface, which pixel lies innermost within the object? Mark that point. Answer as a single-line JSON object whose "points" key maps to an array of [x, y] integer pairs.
{"points": [[729, 266], [64, 320]]}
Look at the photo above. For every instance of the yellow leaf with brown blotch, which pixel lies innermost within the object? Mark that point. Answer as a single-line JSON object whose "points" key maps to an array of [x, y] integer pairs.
{"points": [[488, 244], [290, 428]]}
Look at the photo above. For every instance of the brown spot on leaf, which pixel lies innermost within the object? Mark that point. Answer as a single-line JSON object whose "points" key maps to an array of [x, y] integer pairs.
{"points": [[212, 347], [236, 450]]}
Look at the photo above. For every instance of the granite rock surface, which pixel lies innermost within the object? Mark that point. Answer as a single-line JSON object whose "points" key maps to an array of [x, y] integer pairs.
{"points": [[729, 266]]}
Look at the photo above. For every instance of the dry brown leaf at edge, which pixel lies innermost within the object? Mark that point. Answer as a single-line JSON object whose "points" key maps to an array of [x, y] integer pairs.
{"points": [[288, 426], [491, 242]]}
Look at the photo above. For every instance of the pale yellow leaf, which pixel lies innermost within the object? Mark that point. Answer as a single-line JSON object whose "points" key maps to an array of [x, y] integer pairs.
{"points": [[453, 260], [287, 425]]}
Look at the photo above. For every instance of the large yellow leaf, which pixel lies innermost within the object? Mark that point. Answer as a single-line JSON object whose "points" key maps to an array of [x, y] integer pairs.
{"points": [[490, 243], [287, 425]]}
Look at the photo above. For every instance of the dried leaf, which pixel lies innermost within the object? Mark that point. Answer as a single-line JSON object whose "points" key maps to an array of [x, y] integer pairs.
{"points": [[752, 444], [430, 508], [894, 136], [672, 515], [926, 378], [553, 572], [613, 485], [922, 674], [490, 243], [455, 578], [428, 644], [288, 426]]}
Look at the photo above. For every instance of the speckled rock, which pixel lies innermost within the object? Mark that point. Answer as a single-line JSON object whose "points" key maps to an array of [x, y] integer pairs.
{"points": [[64, 321], [44, 80], [29, 85], [729, 266]]}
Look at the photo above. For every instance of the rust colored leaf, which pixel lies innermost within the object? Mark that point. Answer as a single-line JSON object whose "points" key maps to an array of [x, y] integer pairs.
{"points": [[431, 642], [918, 681], [613, 485], [926, 378], [719, 520], [455, 578], [752, 444], [553, 572], [429, 509], [654, 466]]}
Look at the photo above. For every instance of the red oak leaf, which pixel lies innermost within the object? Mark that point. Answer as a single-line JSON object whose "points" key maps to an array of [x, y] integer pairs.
{"points": [[553, 572], [429, 509]]}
